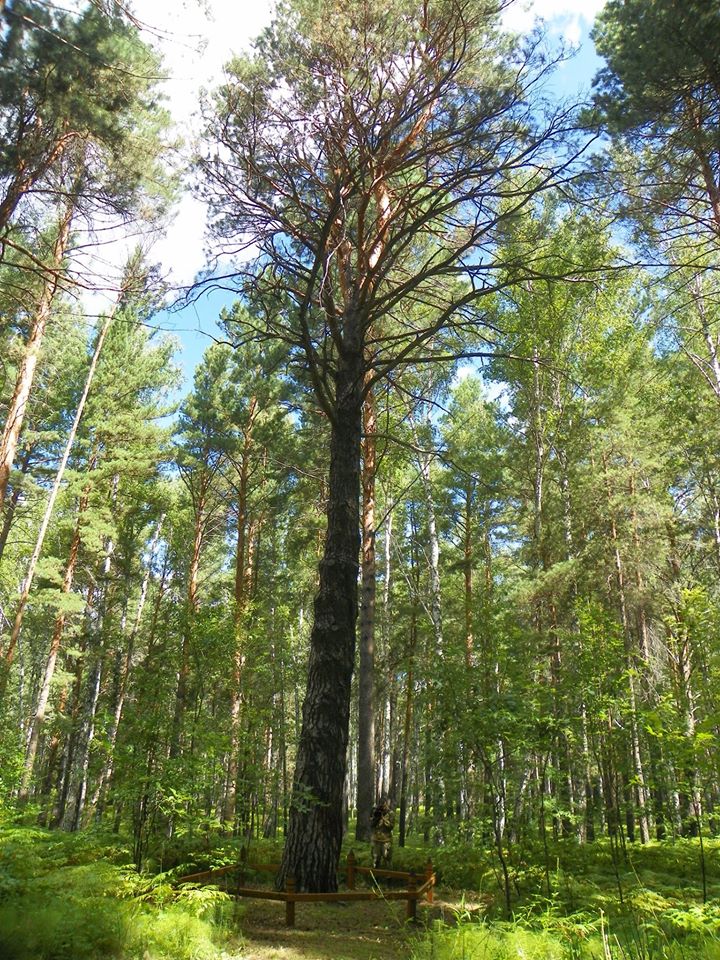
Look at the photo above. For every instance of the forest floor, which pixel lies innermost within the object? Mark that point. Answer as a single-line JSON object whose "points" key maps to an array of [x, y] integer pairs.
{"points": [[372, 930], [77, 897]]}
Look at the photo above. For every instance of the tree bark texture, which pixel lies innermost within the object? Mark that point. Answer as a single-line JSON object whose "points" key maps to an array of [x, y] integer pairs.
{"points": [[312, 849], [366, 673]]}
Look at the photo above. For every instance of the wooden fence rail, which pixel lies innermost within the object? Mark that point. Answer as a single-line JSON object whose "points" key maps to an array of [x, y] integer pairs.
{"points": [[290, 895]]}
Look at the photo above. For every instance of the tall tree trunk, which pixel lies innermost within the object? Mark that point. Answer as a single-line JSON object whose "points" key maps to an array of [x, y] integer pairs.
{"points": [[239, 654], [407, 722], [312, 848], [424, 460], [11, 505], [681, 664], [366, 673], [181, 690], [26, 374], [640, 788], [468, 559], [247, 541], [32, 565], [124, 674], [242, 677], [76, 790], [58, 628]]}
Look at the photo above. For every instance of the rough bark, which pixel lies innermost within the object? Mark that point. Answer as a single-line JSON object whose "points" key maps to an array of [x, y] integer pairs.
{"points": [[366, 672], [312, 849]]}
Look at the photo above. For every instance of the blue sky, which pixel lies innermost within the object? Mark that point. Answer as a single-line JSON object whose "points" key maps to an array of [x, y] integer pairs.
{"points": [[195, 50]]}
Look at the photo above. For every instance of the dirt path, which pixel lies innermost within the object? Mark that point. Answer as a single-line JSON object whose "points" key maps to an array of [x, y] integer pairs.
{"points": [[359, 931]]}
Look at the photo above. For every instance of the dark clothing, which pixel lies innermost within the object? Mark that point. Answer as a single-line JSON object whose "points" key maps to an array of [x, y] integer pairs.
{"points": [[382, 823]]}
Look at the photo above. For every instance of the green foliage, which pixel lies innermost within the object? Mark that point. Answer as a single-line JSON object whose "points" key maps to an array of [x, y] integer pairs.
{"points": [[69, 81], [661, 918], [69, 898], [572, 939]]}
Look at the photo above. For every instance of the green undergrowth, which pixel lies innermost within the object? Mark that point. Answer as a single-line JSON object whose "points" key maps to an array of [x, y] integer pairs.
{"points": [[572, 940], [75, 897], [572, 902], [78, 897]]}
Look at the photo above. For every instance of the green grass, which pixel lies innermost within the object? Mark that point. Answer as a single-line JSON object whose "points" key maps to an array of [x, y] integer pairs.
{"points": [[77, 897], [582, 916], [573, 939], [72, 897]]}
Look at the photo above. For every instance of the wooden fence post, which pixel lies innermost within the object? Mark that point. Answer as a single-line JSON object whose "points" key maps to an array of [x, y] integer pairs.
{"points": [[242, 866], [290, 903], [351, 870], [428, 876], [412, 898]]}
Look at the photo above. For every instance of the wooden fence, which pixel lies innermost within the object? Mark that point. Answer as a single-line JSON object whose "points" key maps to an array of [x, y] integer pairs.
{"points": [[290, 895]]}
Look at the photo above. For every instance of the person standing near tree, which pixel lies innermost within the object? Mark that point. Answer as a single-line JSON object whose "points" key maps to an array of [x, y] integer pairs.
{"points": [[382, 823]]}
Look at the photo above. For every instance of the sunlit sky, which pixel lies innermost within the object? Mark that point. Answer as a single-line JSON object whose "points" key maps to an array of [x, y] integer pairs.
{"points": [[197, 37]]}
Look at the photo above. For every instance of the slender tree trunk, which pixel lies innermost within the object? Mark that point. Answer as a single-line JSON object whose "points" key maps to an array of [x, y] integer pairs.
{"points": [[76, 793], [640, 789], [32, 566], [434, 555], [312, 848], [682, 669], [26, 373], [366, 673], [107, 772], [59, 626], [71, 740], [181, 691], [407, 724], [78, 769], [11, 505], [468, 579], [239, 654]]}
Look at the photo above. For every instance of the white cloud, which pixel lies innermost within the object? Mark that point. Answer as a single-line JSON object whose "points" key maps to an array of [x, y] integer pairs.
{"points": [[564, 18], [197, 38]]}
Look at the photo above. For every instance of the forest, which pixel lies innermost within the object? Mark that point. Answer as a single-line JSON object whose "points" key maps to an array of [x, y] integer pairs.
{"points": [[436, 522]]}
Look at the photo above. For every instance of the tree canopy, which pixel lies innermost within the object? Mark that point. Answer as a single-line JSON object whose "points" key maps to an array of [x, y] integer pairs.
{"points": [[461, 407]]}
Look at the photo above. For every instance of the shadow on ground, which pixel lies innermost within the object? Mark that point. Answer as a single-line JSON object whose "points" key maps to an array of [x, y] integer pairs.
{"points": [[323, 931]]}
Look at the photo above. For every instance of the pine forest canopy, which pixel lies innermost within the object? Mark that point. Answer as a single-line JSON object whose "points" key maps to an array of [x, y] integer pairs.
{"points": [[463, 406]]}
